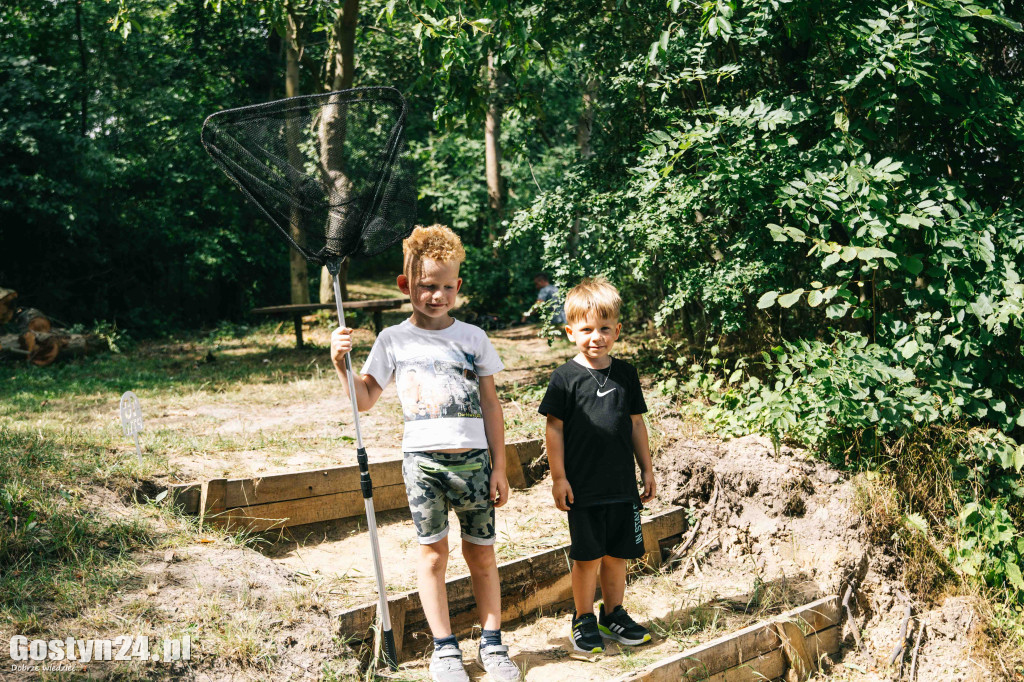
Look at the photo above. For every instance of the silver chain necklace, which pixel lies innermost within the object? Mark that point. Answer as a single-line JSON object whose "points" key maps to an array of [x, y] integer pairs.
{"points": [[599, 384]]}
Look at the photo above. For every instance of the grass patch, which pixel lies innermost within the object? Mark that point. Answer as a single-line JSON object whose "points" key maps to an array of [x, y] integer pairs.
{"points": [[58, 551], [77, 539]]}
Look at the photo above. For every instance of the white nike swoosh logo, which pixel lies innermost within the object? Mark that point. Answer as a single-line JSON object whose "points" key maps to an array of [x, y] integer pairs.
{"points": [[599, 394]]}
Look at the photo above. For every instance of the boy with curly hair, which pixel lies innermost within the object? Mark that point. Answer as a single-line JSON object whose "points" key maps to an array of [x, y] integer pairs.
{"points": [[453, 443]]}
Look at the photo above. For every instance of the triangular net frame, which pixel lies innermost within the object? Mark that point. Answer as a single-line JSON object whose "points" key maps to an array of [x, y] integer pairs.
{"points": [[331, 171]]}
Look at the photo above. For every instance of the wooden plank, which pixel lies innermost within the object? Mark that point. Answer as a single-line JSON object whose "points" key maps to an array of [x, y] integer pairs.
{"points": [[185, 496], [736, 648], [769, 666], [211, 500], [658, 527], [262, 517], [817, 615], [825, 642], [301, 308], [514, 466], [538, 593], [545, 597], [327, 481], [397, 614], [539, 581], [529, 451], [243, 492]]}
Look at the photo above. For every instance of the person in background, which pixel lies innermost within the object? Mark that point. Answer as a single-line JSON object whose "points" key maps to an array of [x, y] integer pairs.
{"points": [[546, 291]]}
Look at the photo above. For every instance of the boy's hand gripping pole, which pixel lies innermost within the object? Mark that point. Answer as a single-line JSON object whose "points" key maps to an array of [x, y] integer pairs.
{"points": [[366, 485]]}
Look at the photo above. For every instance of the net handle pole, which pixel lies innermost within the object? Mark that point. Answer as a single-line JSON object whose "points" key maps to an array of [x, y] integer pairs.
{"points": [[366, 485]]}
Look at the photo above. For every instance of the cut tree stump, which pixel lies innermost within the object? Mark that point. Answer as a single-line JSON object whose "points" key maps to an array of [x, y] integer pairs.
{"points": [[46, 349], [33, 320], [7, 297]]}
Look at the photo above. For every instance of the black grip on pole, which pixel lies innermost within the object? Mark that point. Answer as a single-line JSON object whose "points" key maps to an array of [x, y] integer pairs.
{"points": [[365, 483], [390, 653]]}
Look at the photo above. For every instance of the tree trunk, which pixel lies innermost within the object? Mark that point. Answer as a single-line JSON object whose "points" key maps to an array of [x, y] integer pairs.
{"points": [[492, 143], [584, 128], [7, 307], [585, 123], [332, 134], [83, 62], [299, 271]]}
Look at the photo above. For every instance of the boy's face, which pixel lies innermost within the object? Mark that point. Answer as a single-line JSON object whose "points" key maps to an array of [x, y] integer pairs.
{"points": [[433, 288], [594, 336]]}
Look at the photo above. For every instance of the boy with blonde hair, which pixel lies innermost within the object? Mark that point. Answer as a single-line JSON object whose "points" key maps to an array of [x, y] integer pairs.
{"points": [[453, 444], [595, 429]]}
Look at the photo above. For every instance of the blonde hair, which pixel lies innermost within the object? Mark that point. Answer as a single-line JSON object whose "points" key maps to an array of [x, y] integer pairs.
{"points": [[436, 242], [593, 294]]}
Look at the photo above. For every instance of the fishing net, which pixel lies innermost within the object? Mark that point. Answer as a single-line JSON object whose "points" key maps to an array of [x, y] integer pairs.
{"points": [[331, 171]]}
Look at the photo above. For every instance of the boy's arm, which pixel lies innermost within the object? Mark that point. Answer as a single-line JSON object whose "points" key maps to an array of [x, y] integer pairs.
{"points": [[642, 452], [367, 388], [494, 427], [555, 443]]}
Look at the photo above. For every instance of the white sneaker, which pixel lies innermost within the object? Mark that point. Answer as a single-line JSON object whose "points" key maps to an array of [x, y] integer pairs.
{"points": [[446, 664], [494, 659]]}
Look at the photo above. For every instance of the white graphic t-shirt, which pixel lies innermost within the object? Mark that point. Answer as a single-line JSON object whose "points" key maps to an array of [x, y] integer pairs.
{"points": [[437, 373]]}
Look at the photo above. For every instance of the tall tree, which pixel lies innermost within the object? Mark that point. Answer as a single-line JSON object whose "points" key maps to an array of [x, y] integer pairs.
{"points": [[292, 87], [492, 139], [341, 70]]}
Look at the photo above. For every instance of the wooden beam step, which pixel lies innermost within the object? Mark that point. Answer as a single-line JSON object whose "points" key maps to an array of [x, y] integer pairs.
{"points": [[540, 581], [326, 489], [739, 651]]}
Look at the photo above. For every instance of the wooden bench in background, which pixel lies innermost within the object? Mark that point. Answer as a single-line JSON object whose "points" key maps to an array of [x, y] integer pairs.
{"points": [[377, 306]]}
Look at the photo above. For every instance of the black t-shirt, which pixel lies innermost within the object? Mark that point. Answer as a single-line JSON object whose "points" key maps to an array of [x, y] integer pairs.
{"points": [[595, 408]]}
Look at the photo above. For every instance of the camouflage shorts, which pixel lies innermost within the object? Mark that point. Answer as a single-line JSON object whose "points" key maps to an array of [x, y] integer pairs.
{"points": [[436, 482]]}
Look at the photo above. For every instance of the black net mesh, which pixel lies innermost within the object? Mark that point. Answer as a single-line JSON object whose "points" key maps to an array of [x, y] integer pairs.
{"points": [[331, 171]]}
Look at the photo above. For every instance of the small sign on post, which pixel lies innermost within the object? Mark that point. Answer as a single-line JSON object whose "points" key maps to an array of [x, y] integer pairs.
{"points": [[131, 419]]}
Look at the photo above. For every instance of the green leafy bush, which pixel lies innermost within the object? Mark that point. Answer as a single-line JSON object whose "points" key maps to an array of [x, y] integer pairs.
{"points": [[832, 192], [990, 546]]}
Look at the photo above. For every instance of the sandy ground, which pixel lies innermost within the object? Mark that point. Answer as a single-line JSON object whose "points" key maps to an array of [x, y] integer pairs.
{"points": [[307, 423], [774, 530]]}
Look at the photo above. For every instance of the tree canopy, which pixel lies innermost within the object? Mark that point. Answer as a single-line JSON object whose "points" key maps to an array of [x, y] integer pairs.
{"points": [[817, 206]]}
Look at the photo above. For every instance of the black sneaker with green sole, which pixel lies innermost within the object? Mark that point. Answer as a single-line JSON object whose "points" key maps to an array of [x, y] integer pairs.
{"points": [[585, 635], [619, 626]]}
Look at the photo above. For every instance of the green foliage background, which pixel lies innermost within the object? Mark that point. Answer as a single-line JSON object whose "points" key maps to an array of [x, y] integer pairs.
{"points": [[832, 192], [817, 205]]}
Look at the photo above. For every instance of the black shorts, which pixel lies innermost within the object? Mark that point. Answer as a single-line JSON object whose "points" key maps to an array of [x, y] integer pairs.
{"points": [[606, 530]]}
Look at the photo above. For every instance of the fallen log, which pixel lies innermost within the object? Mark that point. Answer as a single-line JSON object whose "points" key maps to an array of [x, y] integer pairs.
{"points": [[11, 347], [46, 349], [7, 297], [43, 348], [78, 345]]}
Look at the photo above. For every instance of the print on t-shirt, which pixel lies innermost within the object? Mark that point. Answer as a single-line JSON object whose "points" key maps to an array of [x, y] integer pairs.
{"points": [[433, 388]]}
